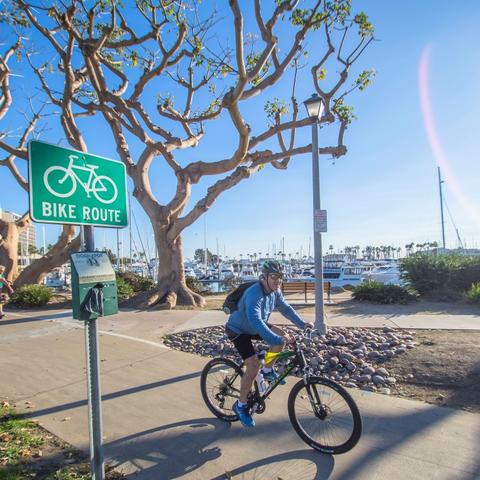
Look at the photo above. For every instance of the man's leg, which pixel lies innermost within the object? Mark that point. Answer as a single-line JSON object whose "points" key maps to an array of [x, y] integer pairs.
{"points": [[252, 366]]}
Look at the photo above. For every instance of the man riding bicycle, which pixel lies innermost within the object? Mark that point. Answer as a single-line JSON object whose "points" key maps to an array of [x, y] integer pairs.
{"points": [[250, 322]]}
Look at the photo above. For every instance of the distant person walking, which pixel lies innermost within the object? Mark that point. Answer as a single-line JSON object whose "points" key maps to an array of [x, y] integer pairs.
{"points": [[5, 289]]}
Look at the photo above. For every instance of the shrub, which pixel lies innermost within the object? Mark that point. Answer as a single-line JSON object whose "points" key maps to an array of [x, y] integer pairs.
{"points": [[473, 294], [379, 293], [31, 296], [444, 276], [194, 285], [137, 282], [124, 289]]}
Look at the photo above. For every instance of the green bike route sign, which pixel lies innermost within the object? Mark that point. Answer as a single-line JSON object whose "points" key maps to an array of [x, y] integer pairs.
{"points": [[68, 186]]}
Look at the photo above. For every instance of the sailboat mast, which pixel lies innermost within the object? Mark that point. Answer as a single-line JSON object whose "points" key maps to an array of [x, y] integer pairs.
{"points": [[440, 181]]}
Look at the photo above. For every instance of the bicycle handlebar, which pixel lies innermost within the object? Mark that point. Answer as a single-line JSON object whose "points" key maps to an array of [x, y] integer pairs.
{"points": [[305, 334]]}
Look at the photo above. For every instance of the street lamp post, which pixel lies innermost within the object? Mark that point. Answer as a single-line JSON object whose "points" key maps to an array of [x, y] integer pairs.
{"points": [[314, 106]]}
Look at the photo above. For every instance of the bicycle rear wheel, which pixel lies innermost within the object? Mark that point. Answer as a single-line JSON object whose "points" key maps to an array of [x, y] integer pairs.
{"points": [[220, 387], [324, 415]]}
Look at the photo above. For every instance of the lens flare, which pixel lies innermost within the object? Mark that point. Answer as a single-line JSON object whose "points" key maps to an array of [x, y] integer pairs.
{"points": [[433, 138]]}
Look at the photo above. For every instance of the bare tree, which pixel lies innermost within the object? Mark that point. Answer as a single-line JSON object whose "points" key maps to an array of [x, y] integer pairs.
{"points": [[10, 230], [113, 61]]}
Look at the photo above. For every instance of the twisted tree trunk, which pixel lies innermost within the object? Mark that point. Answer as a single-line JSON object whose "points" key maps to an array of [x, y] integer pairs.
{"points": [[172, 287], [9, 235], [55, 257]]}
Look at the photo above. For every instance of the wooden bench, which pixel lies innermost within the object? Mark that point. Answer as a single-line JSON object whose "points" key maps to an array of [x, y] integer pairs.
{"points": [[306, 287]]}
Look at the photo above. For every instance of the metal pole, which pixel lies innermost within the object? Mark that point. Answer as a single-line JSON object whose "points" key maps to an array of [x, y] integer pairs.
{"points": [[317, 237], [118, 251], [205, 243], [93, 384], [441, 206], [130, 229]]}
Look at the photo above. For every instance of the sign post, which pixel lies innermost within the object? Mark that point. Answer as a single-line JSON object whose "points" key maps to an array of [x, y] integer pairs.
{"points": [[73, 187]]}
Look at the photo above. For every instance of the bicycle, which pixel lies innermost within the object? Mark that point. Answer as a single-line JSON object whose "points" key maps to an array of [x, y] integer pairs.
{"points": [[313, 402], [57, 175]]}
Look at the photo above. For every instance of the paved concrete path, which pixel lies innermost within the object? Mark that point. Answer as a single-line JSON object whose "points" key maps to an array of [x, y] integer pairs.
{"points": [[157, 427]]}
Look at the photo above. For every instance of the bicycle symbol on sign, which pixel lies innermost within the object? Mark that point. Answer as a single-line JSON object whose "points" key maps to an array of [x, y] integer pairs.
{"points": [[62, 182]]}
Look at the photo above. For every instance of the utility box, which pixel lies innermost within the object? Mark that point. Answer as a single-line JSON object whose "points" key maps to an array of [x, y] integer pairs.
{"points": [[93, 277]]}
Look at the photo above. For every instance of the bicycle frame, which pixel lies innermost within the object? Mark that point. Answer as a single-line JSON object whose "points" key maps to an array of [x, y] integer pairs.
{"points": [[92, 174], [298, 360]]}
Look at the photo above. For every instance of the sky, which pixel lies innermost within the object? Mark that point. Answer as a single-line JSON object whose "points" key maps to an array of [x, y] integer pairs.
{"points": [[420, 113]]}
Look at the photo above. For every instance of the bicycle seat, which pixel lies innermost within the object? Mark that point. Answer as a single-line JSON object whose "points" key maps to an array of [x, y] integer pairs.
{"points": [[93, 167]]}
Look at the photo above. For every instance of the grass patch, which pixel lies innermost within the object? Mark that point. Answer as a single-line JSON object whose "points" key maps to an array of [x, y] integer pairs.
{"points": [[18, 439], [28, 451]]}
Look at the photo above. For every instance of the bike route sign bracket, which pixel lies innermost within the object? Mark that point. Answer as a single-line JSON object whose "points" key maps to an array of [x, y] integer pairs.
{"points": [[68, 186]]}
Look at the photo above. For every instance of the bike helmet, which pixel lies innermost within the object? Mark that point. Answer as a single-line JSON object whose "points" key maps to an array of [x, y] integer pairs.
{"points": [[271, 266]]}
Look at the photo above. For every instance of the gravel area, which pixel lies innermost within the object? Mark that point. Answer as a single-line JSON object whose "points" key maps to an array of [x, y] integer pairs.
{"points": [[351, 356]]}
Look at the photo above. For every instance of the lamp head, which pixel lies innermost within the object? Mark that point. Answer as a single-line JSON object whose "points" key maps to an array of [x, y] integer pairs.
{"points": [[314, 106]]}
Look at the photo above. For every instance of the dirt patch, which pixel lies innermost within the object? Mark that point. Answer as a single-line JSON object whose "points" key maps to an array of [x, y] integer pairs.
{"points": [[444, 369], [29, 451]]}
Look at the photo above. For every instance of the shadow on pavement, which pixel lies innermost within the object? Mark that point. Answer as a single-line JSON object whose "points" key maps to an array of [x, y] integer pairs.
{"points": [[110, 396], [177, 449], [35, 318], [389, 433], [299, 465], [169, 451]]}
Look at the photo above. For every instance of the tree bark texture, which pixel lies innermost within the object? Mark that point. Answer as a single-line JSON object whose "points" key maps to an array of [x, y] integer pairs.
{"points": [[10, 233], [55, 257], [172, 288]]}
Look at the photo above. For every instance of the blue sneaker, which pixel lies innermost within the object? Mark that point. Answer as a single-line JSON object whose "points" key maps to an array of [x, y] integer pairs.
{"points": [[243, 415], [272, 376]]}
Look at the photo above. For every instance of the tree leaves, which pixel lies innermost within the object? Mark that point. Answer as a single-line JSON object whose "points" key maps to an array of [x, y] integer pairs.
{"points": [[344, 111], [365, 79], [321, 74], [275, 107], [365, 27]]}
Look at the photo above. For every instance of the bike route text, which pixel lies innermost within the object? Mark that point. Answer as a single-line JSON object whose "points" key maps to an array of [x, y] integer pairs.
{"points": [[70, 212]]}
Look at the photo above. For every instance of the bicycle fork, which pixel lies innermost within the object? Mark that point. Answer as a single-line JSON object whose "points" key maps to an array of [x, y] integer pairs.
{"points": [[317, 406]]}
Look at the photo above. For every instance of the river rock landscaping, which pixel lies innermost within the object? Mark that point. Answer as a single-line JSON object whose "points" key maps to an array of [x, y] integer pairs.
{"points": [[353, 357]]}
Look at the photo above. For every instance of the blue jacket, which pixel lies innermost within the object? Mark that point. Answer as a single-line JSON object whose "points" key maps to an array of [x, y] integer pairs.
{"points": [[254, 309]]}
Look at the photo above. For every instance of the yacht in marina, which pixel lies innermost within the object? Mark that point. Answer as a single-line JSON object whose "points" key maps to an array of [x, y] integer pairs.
{"points": [[247, 273], [338, 271]]}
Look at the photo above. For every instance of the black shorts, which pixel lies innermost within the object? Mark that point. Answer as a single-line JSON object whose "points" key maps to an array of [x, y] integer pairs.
{"points": [[243, 343]]}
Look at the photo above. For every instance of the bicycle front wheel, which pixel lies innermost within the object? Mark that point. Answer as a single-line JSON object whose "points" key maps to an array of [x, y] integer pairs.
{"points": [[104, 189], [220, 386], [324, 415]]}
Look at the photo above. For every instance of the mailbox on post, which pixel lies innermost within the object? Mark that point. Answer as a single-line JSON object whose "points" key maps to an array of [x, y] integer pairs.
{"points": [[94, 286]]}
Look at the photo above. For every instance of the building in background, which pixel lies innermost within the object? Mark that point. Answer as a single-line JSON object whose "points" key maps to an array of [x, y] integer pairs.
{"points": [[27, 245]]}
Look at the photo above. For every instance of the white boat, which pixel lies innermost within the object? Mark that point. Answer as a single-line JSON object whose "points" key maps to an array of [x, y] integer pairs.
{"points": [[199, 273], [189, 272], [57, 279], [226, 272], [247, 273], [386, 274], [337, 272]]}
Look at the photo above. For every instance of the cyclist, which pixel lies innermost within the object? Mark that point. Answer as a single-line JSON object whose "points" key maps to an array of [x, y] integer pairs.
{"points": [[250, 322]]}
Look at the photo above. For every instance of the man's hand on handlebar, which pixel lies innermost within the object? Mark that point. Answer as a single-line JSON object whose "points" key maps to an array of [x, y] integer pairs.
{"points": [[289, 339]]}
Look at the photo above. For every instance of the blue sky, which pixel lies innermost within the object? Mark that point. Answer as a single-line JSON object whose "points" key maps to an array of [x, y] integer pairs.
{"points": [[385, 190]]}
